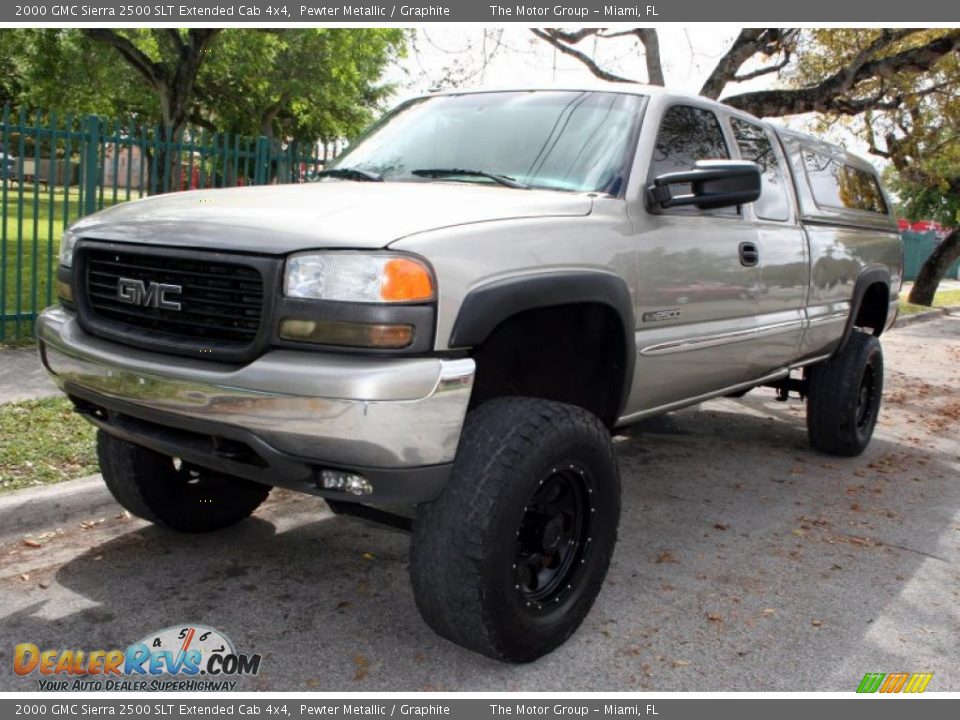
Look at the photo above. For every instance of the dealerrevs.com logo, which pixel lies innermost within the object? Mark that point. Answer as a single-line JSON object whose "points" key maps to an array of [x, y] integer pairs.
{"points": [[186, 658]]}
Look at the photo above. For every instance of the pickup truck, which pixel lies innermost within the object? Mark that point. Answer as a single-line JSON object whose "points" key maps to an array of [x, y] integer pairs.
{"points": [[444, 331]]}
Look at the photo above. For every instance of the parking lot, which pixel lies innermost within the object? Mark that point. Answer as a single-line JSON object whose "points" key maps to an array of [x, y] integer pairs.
{"points": [[746, 561]]}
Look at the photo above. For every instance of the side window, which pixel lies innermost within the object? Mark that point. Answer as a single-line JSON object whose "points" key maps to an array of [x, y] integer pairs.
{"points": [[839, 185], [687, 134], [755, 145], [864, 190]]}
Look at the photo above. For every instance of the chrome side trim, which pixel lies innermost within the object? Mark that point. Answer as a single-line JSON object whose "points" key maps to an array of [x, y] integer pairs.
{"points": [[827, 319], [707, 341]]}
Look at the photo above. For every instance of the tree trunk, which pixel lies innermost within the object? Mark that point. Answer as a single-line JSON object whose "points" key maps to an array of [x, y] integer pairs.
{"points": [[934, 268]]}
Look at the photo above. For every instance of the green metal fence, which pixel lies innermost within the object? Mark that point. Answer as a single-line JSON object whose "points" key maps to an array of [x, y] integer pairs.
{"points": [[57, 168], [916, 249]]}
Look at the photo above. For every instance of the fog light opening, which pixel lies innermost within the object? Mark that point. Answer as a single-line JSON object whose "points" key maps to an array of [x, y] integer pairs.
{"points": [[343, 481]]}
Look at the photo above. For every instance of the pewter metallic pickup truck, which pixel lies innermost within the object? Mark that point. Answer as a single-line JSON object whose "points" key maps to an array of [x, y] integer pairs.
{"points": [[457, 316]]}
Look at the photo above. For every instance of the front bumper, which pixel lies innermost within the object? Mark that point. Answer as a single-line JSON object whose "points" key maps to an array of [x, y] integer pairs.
{"points": [[280, 419]]}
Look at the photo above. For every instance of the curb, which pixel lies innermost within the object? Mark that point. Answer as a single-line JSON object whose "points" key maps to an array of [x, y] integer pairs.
{"points": [[904, 320], [42, 508]]}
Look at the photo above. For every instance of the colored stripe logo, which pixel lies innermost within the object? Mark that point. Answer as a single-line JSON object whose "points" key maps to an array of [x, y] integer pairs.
{"points": [[894, 682]]}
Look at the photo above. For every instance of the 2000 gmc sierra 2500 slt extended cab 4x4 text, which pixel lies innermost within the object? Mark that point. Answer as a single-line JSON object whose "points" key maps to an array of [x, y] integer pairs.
{"points": [[458, 314]]}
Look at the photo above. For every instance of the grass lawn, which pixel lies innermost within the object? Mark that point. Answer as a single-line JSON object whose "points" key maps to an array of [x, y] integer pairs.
{"points": [[29, 243], [943, 298], [43, 442]]}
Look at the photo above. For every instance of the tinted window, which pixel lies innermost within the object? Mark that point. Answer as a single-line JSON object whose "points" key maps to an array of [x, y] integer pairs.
{"points": [[836, 184], [864, 190], [579, 141], [687, 134], [755, 146]]}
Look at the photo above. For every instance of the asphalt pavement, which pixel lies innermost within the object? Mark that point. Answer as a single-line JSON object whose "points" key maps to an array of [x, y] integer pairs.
{"points": [[746, 561]]}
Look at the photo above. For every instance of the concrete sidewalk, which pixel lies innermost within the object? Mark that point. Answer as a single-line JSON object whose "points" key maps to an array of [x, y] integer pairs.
{"points": [[22, 376]]}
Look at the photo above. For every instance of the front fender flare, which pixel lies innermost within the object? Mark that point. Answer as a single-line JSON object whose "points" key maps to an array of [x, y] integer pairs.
{"points": [[487, 306]]}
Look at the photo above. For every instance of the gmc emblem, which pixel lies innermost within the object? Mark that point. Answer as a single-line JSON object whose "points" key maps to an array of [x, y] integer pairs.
{"points": [[156, 295]]}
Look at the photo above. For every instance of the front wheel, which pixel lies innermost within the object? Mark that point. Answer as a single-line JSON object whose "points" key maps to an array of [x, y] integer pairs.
{"points": [[167, 492], [508, 561], [843, 397]]}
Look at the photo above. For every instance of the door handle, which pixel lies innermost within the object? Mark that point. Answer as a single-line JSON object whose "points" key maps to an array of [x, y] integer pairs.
{"points": [[749, 254]]}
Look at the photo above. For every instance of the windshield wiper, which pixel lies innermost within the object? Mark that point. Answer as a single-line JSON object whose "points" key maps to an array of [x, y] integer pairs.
{"points": [[451, 172], [348, 173]]}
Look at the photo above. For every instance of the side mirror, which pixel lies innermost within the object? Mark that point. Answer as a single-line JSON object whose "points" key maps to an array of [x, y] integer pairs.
{"points": [[714, 184]]}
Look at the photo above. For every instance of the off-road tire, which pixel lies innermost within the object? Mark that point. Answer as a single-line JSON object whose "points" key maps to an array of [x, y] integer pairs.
{"points": [[522, 464], [183, 498], [844, 395]]}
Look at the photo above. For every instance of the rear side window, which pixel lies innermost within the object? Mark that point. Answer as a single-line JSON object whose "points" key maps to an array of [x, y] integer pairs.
{"points": [[687, 134], [755, 145], [836, 184]]}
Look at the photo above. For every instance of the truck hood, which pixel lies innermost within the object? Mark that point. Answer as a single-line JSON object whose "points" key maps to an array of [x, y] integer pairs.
{"points": [[280, 219]]}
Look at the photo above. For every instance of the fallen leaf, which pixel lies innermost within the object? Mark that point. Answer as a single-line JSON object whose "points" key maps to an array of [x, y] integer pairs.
{"points": [[713, 617], [680, 663], [666, 557], [720, 526], [368, 556], [362, 665], [767, 612], [816, 623], [29, 542], [25, 577]]}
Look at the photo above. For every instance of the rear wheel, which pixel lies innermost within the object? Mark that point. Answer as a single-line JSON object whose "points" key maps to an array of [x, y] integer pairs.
{"points": [[509, 560], [844, 395], [176, 495]]}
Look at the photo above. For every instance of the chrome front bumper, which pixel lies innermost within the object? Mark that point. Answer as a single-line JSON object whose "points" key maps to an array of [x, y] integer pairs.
{"points": [[322, 408]]}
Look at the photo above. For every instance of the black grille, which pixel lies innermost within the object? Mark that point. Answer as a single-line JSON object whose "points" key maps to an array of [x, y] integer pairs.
{"points": [[221, 302]]}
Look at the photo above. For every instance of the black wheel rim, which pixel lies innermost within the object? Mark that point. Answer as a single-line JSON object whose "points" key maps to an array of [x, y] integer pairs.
{"points": [[866, 399], [553, 538]]}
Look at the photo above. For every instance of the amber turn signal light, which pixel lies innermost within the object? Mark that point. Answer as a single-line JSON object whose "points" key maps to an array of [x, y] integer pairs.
{"points": [[405, 280]]}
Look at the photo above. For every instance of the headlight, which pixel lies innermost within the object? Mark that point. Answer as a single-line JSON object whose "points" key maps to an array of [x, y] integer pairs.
{"points": [[353, 277], [67, 244]]}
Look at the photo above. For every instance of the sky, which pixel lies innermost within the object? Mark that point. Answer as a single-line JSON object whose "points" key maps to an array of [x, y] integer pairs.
{"points": [[515, 56]]}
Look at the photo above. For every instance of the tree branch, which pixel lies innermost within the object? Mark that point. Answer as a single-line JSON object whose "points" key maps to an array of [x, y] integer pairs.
{"points": [[787, 57], [555, 38], [747, 44], [651, 49], [835, 93], [149, 70]]}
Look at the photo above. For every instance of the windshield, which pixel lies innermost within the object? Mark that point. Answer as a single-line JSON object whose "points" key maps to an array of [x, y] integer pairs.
{"points": [[559, 140]]}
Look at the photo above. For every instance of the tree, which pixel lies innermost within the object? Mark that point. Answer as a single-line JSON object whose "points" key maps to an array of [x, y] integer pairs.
{"points": [[922, 141], [63, 70], [915, 128], [167, 60], [283, 83], [287, 84], [318, 83], [861, 83]]}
